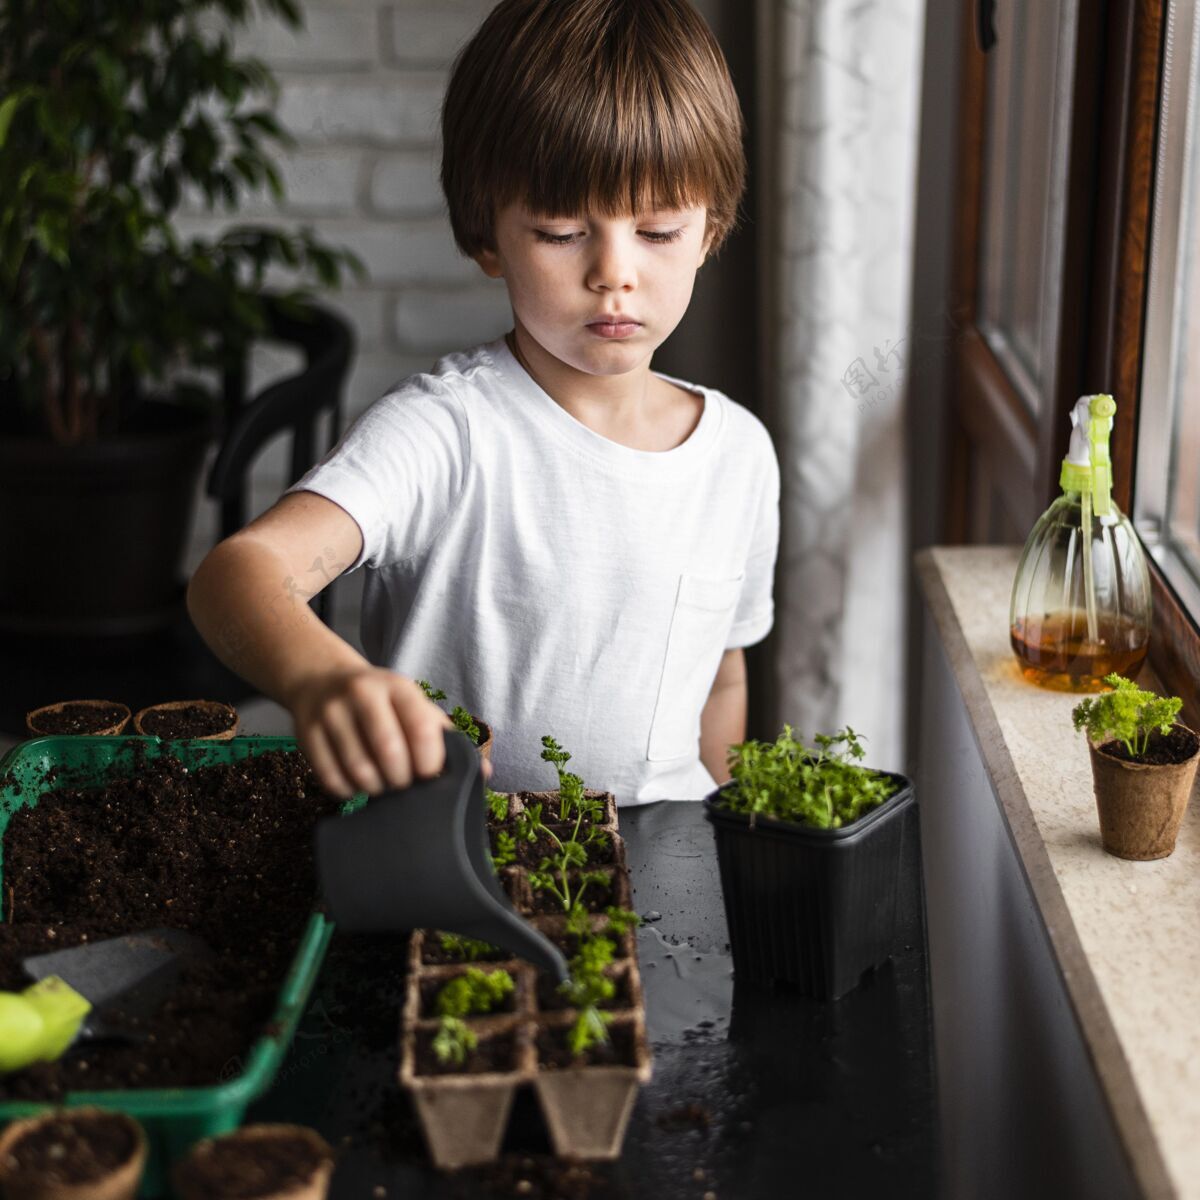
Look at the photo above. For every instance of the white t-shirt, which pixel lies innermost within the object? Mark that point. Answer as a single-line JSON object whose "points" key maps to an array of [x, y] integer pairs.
{"points": [[553, 581]]}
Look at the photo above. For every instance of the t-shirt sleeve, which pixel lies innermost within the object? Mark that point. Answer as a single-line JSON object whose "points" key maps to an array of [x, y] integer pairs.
{"points": [[398, 470], [755, 612]]}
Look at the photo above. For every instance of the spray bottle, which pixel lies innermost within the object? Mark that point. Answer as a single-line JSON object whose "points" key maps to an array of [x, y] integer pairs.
{"points": [[1081, 598]]}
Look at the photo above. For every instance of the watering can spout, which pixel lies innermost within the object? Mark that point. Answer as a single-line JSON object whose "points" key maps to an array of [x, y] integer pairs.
{"points": [[417, 858]]}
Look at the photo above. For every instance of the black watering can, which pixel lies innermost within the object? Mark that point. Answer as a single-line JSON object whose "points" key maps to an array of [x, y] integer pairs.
{"points": [[417, 858]]}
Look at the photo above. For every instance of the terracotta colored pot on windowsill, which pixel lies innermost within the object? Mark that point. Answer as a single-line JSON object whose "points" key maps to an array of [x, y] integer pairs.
{"points": [[1141, 805]]}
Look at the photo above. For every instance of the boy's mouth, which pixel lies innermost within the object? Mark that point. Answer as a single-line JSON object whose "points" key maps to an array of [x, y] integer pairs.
{"points": [[609, 327]]}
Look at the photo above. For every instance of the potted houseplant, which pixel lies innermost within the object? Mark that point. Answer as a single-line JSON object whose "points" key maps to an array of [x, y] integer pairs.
{"points": [[477, 1024], [85, 1153], [477, 730], [809, 848], [1143, 767], [258, 1162], [106, 121]]}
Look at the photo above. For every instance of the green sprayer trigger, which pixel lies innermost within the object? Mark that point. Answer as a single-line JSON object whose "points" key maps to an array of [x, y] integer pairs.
{"points": [[38, 1024], [1101, 411]]}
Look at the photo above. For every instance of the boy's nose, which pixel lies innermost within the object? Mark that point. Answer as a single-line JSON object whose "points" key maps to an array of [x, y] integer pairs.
{"points": [[612, 267]]}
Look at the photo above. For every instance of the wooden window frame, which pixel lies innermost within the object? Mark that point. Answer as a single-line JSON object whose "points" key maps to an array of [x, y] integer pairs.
{"points": [[1107, 258]]}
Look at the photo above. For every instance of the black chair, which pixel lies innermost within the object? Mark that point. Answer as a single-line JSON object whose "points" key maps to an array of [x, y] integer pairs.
{"points": [[293, 403]]}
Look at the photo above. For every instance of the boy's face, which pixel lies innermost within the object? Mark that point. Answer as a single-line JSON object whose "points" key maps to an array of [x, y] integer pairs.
{"points": [[565, 274]]}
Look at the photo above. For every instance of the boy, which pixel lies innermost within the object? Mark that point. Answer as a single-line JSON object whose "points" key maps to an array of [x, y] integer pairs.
{"points": [[564, 541]]}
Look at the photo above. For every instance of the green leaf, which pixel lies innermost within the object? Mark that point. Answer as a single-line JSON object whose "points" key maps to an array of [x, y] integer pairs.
{"points": [[8, 110]]}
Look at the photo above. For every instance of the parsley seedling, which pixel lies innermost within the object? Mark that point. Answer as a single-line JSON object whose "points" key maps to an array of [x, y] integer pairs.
{"points": [[464, 948], [788, 781], [462, 719], [1128, 714], [475, 992]]}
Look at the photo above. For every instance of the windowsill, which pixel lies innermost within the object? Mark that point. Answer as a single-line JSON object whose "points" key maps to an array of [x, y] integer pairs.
{"points": [[1126, 935]]}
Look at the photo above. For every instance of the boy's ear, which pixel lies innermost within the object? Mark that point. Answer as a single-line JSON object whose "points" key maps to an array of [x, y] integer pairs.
{"points": [[489, 264]]}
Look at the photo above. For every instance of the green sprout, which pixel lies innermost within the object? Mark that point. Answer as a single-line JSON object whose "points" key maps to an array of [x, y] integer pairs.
{"points": [[497, 803], [453, 1041], [464, 948], [1127, 713], [788, 781], [474, 992]]}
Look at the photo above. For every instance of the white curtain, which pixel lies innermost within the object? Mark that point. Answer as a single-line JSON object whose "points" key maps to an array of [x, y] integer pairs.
{"points": [[838, 136]]}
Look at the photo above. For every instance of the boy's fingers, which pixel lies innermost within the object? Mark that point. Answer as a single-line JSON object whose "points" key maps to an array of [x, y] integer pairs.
{"points": [[487, 769], [385, 743], [423, 723], [352, 756], [321, 756]]}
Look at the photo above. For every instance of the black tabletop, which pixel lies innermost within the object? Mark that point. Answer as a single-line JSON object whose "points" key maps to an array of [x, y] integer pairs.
{"points": [[754, 1094]]}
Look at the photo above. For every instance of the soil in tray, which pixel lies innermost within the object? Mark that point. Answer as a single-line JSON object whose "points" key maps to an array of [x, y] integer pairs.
{"points": [[531, 854], [596, 897], [1178, 746], [224, 851], [74, 1150], [433, 955], [493, 1054], [80, 718], [251, 1168], [550, 999], [553, 1050], [568, 943], [431, 987], [189, 721]]}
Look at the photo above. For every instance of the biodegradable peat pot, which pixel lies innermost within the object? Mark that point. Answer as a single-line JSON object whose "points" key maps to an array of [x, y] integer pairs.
{"points": [[463, 1114], [95, 718], [259, 1162], [812, 908], [1141, 804], [585, 1103], [485, 739], [586, 1107], [201, 720], [72, 1154]]}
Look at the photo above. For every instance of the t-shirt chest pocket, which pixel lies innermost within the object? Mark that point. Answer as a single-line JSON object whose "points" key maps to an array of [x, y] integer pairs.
{"points": [[700, 624]]}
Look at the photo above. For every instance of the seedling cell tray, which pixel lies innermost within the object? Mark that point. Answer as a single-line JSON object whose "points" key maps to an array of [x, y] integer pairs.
{"points": [[173, 1118], [585, 1107]]}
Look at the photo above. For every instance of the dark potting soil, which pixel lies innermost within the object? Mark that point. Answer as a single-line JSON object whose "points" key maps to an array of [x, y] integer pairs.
{"points": [[223, 851], [80, 718], [531, 854], [432, 954], [249, 1168], [497, 1053], [553, 1049], [596, 897], [541, 1178], [192, 720], [550, 999], [1178, 746], [431, 987], [71, 1149]]}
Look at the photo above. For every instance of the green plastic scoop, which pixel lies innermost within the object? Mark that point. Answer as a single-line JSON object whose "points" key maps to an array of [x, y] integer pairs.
{"points": [[131, 974]]}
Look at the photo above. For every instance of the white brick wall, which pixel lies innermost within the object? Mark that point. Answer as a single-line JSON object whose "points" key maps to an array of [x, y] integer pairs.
{"points": [[361, 90]]}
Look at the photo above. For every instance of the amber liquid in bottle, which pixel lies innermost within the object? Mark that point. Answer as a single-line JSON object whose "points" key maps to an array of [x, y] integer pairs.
{"points": [[1054, 650]]}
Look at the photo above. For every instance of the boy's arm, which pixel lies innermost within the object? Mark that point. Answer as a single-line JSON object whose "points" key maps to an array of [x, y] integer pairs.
{"points": [[362, 727], [723, 720]]}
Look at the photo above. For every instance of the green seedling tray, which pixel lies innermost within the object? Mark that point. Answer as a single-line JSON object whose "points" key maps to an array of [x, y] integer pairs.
{"points": [[173, 1118]]}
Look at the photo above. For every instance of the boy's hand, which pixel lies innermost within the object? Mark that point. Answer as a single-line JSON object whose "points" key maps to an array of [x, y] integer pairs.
{"points": [[368, 729]]}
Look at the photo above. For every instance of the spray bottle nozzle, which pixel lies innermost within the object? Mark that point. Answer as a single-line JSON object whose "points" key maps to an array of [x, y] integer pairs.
{"points": [[1088, 467]]}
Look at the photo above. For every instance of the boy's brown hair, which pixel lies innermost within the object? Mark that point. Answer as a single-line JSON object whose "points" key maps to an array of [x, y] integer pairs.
{"points": [[573, 105]]}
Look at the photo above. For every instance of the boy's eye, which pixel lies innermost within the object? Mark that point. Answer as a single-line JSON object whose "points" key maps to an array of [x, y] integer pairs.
{"points": [[565, 239]]}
